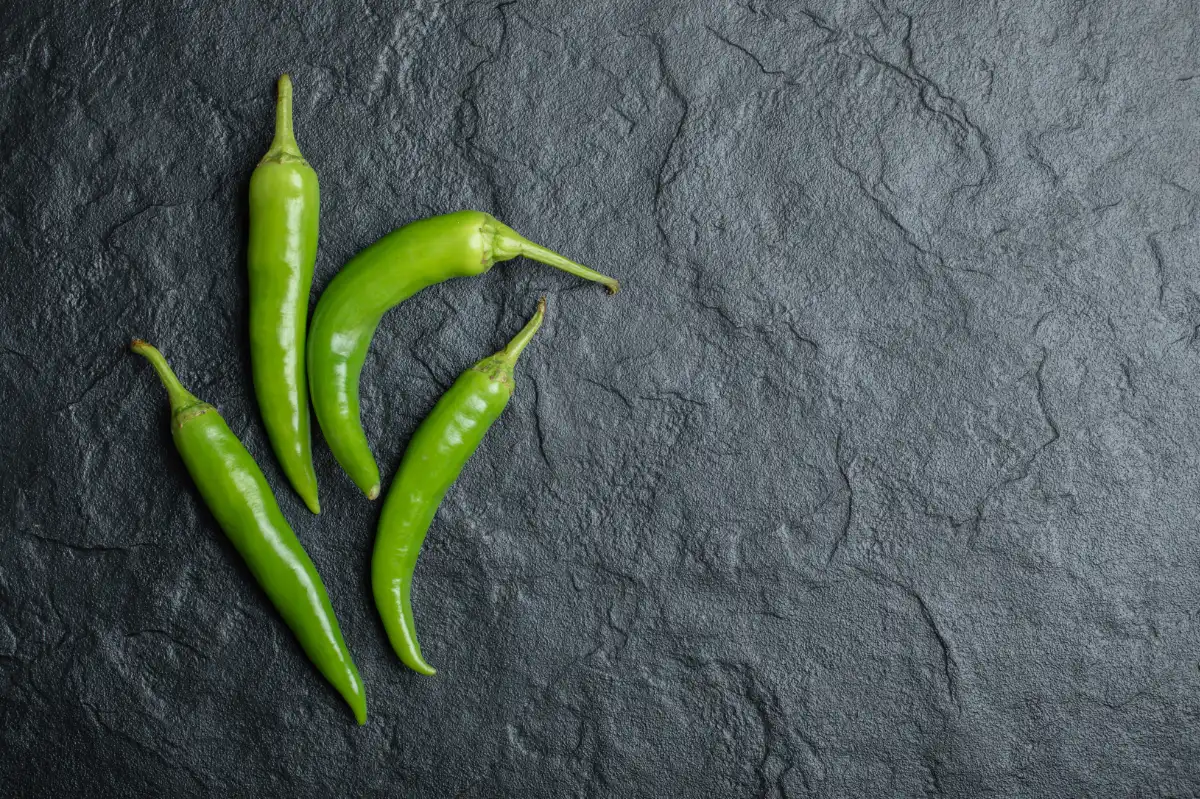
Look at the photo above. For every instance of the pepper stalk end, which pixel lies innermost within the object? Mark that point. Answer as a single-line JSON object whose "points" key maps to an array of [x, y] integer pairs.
{"points": [[508, 243], [284, 144], [514, 348], [179, 396]]}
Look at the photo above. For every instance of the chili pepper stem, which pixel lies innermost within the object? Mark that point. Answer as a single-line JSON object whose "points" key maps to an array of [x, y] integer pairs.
{"points": [[179, 396], [514, 348], [284, 143], [509, 242]]}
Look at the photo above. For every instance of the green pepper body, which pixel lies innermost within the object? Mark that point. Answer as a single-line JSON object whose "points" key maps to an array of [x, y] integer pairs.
{"points": [[284, 208], [439, 449], [236, 492], [380, 277]]}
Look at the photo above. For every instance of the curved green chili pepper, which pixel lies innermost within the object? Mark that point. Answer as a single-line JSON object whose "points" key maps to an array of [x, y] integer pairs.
{"points": [[284, 206], [380, 277], [435, 456], [237, 493]]}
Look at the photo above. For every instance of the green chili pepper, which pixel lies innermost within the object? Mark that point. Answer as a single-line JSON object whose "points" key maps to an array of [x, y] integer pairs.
{"points": [[284, 206], [237, 493], [435, 456], [380, 277]]}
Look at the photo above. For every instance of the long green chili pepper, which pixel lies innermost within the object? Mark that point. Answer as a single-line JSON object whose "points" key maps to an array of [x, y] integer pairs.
{"points": [[435, 456], [237, 493], [284, 208], [380, 277]]}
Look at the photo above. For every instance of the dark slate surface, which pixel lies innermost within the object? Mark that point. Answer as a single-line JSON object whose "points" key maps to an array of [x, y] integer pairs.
{"points": [[878, 479]]}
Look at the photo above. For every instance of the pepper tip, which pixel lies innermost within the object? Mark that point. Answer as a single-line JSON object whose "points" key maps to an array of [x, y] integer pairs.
{"points": [[373, 492], [283, 88]]}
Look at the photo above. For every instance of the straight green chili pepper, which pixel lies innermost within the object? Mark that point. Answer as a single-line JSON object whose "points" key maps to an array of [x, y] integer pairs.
{"points": [[285, 204], [235, 490], [435, 456], [377, 279]]}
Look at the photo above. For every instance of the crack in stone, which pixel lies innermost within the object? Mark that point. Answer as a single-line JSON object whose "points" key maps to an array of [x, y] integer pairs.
{"points": [[935, 787], [662, 181], [1159, 266], [166, 634], [757, 61], [106, 372], [25, 360], [537, 423], [467, 117], [779, 740], [843, 470], [1044, 403], [409, 27], [910, 238], [97, 716], [950, 667], [86, 547]]}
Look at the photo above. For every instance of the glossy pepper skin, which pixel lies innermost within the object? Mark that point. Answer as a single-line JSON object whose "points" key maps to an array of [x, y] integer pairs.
{"points": [[434, 458], [235, 490], [284, 208], [377, 279]]}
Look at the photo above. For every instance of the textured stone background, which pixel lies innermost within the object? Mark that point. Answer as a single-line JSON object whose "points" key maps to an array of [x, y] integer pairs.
{"points": [[880, 477]]}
